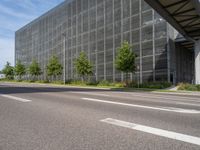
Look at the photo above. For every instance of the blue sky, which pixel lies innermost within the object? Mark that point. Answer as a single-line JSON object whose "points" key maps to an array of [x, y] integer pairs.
{"points": [[13, 15]]}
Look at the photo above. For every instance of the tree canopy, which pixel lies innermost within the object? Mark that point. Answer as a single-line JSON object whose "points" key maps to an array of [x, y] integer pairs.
{"points": [[54, 67], [8, 70], [125, 59], [20, 69], [34, 69], [83, 66]]}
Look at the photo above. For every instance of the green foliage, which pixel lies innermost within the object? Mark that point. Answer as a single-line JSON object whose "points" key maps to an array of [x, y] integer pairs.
{"points": [[78, 82], [104, 83], [20, 69], [42, 81], [189, 87], [54, 68], [125, 60], [57, 82], [150, 85], [83, 66], [34, 69], [92, 83], [8, 71], [111, 84]]}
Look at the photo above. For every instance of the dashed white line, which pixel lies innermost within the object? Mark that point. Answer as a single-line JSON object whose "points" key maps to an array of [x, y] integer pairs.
{"points": [[164, 133], [169, 109], [16, 98]]}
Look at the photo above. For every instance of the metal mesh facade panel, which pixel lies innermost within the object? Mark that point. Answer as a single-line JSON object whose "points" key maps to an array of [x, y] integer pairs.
{"points": [[97, 27]]}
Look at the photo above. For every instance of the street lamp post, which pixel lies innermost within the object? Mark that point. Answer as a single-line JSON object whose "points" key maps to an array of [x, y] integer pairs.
{"points": [[64, 60]]}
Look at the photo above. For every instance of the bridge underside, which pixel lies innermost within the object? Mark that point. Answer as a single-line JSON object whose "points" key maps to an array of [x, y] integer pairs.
{"points": [[184, 16]]}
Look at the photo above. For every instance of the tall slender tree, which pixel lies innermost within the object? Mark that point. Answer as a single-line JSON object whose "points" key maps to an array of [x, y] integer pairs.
{"points": [[125, 59], [34, 69], [83, 66], [54, 68], [8, 70], [20, 69]]}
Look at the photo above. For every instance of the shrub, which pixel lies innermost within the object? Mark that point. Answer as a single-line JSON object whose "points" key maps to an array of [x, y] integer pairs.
{"points": [[78, 82], [68, 81], [31, 81], [57, 82], [104, 83], [151, 85], [198, 87], [188, 87], [92, 83], [119, 84]]}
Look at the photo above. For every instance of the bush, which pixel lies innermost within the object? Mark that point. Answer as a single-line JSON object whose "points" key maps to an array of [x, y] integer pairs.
{"points": [[42, 81], [31, 81], [57, 82], [68, 81], [92, 83], [151, 85], [188, 87], [119, 84], [104, 83], [78, 82]]}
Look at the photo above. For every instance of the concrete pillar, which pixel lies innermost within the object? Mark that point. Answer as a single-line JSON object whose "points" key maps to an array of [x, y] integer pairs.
{"points": [[197, 61]]}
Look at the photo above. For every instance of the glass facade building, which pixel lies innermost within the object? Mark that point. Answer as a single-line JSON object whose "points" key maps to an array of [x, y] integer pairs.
{"points": [[98, 27]]}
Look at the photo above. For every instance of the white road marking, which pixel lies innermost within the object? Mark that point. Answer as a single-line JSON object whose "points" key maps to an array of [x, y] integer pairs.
{"points": [[16, 98], [170, 97], [169, 109], [170, 101], [155, 131], [89, 93]]}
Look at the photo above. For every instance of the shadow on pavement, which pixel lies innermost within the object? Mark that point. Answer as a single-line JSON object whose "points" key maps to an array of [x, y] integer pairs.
{"points": [[5, 89]]}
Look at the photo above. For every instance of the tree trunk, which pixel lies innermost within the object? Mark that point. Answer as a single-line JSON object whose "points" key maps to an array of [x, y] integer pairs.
{"points": [[54, 77], [126, 79], [34, 78], [82, 78]]}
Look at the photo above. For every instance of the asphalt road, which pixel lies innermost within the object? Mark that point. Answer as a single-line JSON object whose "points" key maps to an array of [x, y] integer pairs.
{"points": [[37, 117]]}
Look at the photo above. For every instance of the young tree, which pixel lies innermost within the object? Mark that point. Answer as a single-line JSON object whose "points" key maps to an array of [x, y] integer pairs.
{"points": [[34, 69], [20, 69], [54, 68], [8, 71], [125, 60], [83, 66]]}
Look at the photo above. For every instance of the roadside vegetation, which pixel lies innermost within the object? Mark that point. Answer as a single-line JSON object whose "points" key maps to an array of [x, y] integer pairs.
{"points": [[188, 87], [83, 67], [124, 62]]}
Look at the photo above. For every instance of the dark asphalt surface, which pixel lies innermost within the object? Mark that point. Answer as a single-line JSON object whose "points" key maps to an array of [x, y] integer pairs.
{"points": [[58, 118]]}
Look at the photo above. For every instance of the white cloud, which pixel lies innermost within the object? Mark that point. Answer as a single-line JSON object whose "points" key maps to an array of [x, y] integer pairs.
{"points": [[13, 15], [12, 12]]}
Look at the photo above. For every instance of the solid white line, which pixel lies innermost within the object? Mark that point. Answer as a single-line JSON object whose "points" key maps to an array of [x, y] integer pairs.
{"points": [[155, 131], [16, 98], [155, 99], [169, 109], [88, 93], [170, 97], [170, 101]]}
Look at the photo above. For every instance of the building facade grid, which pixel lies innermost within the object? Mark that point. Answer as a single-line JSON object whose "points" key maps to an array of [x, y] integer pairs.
{"points": [[98, 27]]}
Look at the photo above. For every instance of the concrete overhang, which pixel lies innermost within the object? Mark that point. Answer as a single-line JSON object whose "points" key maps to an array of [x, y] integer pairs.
{"points": [[183, 15]]}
